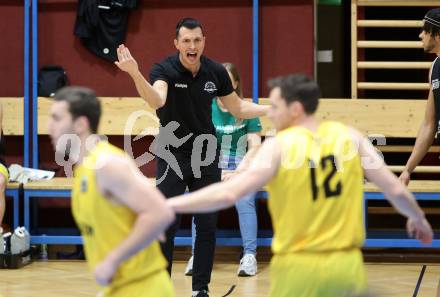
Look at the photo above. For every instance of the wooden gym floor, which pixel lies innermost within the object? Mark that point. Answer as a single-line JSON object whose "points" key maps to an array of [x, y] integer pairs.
{"points": [[72, 279]]}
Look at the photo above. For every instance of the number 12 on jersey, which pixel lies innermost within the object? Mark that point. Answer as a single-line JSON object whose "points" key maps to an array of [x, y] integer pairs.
{"points": [[324, 163]]}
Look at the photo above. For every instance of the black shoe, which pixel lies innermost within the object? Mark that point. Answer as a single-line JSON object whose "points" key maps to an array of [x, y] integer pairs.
{"points": [[202, 293]]}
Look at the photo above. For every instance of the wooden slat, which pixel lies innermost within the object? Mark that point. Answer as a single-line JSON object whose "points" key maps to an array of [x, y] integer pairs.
{"points": [[57, 183], [13, 185], [63, 183], [13, 115], [390, 23], [391, 210], [116, 112], [424, 186], [408, 113], [418, 169], [354, 53], [398, 3], [358, 113], [392, 86], [403, 148], [381, 210], [393, 65], [388, 44]]}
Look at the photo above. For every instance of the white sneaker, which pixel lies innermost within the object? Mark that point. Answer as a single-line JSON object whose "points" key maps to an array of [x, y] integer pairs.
{"points": [[189, 267], [248, 266]]}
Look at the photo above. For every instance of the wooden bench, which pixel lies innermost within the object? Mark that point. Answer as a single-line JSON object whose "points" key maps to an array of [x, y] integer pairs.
{"points": [[423, 190], [13, 116], [375, 118], [61, 187], [390, 118], [13, 125], [116, 112], [372, 117]]}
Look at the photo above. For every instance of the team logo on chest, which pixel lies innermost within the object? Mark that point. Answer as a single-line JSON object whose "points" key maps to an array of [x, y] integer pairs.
{"points": [[210, 87], [435, 84]]}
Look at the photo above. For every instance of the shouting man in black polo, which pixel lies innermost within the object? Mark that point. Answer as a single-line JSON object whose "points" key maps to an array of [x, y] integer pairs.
{"points": [[181, 89]]}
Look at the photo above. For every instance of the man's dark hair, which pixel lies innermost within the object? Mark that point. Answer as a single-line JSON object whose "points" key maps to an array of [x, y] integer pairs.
{"points": [[82, 102], [188, 23], [431, 22], [298, 87]]}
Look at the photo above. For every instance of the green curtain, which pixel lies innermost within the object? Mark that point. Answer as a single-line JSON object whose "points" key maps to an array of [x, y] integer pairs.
{"points": [[330, 2]]}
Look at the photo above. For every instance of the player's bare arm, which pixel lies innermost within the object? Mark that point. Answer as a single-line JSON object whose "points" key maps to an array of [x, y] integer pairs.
{"points": [[225, 194], [425, 138], [243, 109], [396, 193], [119, 180], [155, 95]]}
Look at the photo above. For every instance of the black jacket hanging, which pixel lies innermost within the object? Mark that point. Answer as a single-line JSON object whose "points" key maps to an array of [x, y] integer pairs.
{"points": [[102, 25]]}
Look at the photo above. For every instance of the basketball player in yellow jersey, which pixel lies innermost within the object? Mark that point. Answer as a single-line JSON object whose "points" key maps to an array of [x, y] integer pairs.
{"points": [[314, 173], [117, 210]]}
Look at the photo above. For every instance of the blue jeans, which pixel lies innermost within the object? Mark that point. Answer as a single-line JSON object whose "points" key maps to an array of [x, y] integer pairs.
{"points": [[247, 217]]}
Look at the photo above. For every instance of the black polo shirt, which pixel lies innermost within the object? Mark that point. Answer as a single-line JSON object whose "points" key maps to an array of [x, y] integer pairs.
{"points": [[190, 97], [435, 84]]}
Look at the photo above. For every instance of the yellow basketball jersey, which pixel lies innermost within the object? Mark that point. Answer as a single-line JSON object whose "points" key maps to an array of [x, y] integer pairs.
{"points": [[316, 197], [105, 224]]}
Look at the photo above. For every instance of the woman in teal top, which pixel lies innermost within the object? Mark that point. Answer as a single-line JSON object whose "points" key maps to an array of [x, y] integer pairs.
{"points": [[237, 137]]}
